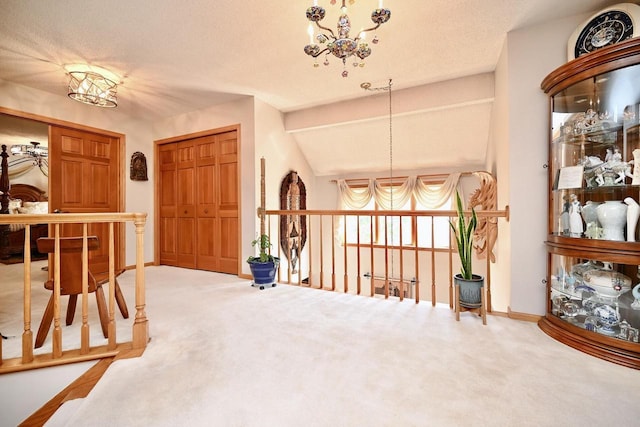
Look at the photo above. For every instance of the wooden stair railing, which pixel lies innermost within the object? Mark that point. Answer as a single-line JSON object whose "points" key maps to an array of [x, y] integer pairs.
{"points": [[318, 221], [58, 356]]}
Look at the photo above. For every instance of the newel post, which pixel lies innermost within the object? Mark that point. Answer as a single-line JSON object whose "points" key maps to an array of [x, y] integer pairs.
{"points": [[141, 324]]}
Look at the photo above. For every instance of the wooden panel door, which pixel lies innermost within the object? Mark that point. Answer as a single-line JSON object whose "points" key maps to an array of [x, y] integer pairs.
{"points": [[186, 204], [227, 227], [168, 172], [84, 177], [206, 187], [199, 203]]}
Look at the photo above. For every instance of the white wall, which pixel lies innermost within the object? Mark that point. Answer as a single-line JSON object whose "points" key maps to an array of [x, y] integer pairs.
{"points": [[498, 164], [282, 155], [139, 195], [530, 54]]}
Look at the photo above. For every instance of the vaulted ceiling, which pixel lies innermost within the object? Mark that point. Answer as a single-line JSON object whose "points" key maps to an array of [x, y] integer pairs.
{"points": [[173, 56]]}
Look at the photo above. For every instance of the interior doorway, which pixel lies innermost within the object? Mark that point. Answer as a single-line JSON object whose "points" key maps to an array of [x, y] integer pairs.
{"points": [[98, 161]]}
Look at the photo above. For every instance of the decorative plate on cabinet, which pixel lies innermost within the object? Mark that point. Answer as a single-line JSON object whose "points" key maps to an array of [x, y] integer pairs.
{"points": [[611, 25]]}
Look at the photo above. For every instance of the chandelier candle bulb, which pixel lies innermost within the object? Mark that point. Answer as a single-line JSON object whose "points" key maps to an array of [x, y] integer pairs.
{"points": [[310, 32]]}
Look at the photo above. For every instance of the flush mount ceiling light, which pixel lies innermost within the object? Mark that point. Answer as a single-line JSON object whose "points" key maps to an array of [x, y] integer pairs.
{"points": [[341, 45], [92, 88]]}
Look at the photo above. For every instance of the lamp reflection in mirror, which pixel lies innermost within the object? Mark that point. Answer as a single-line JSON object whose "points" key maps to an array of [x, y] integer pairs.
{"points": [[92, 88], [32, 153]]}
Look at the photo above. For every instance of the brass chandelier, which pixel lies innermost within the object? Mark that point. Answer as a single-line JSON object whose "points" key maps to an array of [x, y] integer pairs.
{"points": [[341, 45]]}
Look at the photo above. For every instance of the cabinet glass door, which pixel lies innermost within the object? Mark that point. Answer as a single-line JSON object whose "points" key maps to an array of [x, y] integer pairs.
{"points": [[596, 296], [595, 157]]}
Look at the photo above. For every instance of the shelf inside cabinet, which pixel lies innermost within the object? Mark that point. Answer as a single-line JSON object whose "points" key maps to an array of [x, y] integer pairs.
{"points": [[603, 136], [602, 250]]}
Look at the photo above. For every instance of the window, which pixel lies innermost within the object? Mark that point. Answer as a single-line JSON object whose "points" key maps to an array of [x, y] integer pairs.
{"points": [[441, 229], [414, 229]]}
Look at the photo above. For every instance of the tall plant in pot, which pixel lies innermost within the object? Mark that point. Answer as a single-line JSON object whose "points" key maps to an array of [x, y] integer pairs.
{"points": [[264, 266], [470, 284]]}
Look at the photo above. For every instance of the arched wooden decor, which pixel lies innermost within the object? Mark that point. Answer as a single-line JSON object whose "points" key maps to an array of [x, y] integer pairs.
{"points": [[293, 228], [138, 168], [485, 198]]}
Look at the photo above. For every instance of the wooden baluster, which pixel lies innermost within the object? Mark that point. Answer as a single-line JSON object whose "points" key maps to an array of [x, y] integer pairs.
{"points": [[358, 280], [309, 245], [417, 272], [321, 255], [288, 255], [27, 334], [401, 282], [84, 329], [141, 324], [433, 262], [386, 258], [57, 331], [111, 345], [373, 285], [346, 262], [299, 239], [333, 254], [451, 249], [488, 274]]}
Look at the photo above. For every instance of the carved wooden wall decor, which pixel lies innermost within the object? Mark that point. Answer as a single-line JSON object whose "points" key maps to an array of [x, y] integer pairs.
{"points": [[138, 169], [293, 228], [485, 198]]}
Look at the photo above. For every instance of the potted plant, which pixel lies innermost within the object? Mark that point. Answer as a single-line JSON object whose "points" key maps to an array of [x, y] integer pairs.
{"points": [[264, 266], [470, 284]]}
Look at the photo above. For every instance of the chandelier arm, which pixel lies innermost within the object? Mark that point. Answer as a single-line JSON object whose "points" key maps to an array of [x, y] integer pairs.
{"points": [[326, 29], [319, 53], [20, 161], [369, 29]]}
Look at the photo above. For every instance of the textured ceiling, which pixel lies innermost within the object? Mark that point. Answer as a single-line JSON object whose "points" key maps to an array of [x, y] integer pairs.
{"points": [[175, 56]]}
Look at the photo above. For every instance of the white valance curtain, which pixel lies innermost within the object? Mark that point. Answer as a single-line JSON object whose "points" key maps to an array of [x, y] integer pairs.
{"points": [[431, 196]]}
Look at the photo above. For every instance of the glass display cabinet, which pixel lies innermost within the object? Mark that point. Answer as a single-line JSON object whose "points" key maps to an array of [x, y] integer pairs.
{"points": [[593, 273]]}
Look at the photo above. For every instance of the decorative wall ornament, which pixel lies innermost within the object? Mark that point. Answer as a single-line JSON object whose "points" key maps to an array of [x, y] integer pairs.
{"points": [[485, 197], [138, 167], [293, 228]]}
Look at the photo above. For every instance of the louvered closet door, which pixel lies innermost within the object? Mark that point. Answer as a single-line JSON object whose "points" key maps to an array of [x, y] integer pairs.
{"points": [[84, 177]]}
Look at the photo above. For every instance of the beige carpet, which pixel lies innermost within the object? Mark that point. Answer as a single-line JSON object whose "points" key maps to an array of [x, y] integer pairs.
{"points": [[226, 354]]}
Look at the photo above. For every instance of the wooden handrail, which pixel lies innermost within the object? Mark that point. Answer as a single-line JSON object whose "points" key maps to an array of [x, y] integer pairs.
{"points": [[436, 213]]}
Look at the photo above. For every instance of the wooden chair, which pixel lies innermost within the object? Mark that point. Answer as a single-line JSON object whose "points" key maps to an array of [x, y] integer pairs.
{"points": [[481, 309], [71, 284]]}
